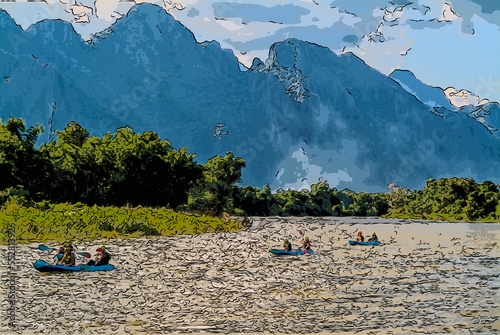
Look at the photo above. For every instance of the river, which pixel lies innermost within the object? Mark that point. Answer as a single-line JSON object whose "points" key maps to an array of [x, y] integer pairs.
{"points": [[426, 277]]}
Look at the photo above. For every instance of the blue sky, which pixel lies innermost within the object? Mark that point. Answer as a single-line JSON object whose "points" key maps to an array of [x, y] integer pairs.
{"points": [[449, 44]]}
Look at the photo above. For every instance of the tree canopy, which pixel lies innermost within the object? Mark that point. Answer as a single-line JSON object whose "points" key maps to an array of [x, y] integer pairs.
{"points": [[128, 168]]}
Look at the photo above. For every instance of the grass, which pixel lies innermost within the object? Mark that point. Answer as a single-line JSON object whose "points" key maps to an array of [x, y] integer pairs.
{"points": [[60, 222]]}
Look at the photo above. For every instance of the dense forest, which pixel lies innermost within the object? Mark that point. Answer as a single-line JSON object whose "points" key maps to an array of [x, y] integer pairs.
{"points": [[130, 169]]}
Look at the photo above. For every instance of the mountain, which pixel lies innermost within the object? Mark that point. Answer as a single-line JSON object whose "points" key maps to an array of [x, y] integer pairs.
{"points": [[301, 115], [428, 95], [487, 114]]}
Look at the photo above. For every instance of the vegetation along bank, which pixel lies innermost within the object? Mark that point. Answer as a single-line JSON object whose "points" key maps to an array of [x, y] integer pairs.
{"points": [[132, 184]]}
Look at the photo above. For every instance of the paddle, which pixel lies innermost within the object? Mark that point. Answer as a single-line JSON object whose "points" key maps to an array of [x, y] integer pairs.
{"points": [[44, 247], [302, 235]]}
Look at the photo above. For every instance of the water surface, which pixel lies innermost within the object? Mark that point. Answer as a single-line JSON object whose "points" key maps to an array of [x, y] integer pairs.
{"points": [[425, 278]]}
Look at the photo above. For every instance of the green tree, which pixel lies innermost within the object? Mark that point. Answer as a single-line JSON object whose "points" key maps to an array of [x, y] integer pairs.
{"points": [[397, 196], [71, 164], [146, 170], [291, 202], [323, 201], [21, 166], [483, 201], [121, 168], [220, 176], [254, 201]]}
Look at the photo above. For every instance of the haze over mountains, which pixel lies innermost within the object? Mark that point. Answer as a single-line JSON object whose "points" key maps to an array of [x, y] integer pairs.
{"points": [[302, 114]]}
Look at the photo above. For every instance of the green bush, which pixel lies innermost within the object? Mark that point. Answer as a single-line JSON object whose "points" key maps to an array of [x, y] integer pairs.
{"points": [[134, 227]]}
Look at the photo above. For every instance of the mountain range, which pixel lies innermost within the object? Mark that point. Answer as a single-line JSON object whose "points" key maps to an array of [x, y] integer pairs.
{"points": [[302, 115], [487, 114]]}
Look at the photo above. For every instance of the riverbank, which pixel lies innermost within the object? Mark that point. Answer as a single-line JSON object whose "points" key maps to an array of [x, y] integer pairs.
{"points": [[78, 222], [441, 217], [427, 277]]}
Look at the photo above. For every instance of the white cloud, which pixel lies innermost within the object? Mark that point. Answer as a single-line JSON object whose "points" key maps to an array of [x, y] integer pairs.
{"points": [[105, 9], [309, 165], [463, 98], [311, 173], [392, 16], [230, 25], [383, 48], [169, 5], [82, 19], [447, 13], [82, 13], [80, 10]]}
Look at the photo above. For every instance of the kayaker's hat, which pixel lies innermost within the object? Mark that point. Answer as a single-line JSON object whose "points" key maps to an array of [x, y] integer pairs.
{"points": [[359, 233], [307, 238], [67, 249], [101, 249]]}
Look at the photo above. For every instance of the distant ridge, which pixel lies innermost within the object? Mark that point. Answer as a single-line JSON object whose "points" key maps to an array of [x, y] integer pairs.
{"points": [[488, 115], [430, 96]]}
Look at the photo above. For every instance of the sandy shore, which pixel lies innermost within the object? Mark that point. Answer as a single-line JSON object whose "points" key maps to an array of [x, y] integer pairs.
{"points": [[426, 277]]}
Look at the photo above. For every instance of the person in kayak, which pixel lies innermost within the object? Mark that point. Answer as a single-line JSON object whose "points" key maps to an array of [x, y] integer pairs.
{"points": [[68, 258], [60, 251], [360, 237], [287, 245], [373, 238], [306, 244], [63, 247], [102, 257]]}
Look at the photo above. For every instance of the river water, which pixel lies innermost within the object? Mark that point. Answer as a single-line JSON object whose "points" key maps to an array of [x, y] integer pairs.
{"points": [[426, 277]]}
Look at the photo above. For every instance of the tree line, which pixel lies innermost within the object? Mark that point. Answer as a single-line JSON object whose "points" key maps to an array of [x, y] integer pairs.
{"points": [[447, 199], [130, 169]]}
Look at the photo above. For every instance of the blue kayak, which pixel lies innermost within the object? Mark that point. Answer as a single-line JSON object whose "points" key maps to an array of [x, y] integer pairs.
{"points": [[43, 266], [364, 243], [292, 252]]}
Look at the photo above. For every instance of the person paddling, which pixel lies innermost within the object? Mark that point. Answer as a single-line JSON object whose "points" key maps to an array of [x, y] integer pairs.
{"points": [[306, 244], [373, 238], [65, 245], [360, 237], [287, 245], [102, 257], [60, 251], [68, 258]]}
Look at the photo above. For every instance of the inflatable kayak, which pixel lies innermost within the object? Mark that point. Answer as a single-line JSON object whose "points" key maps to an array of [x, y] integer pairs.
{"points": [[364, 243], [43, 266], [292, 252]]}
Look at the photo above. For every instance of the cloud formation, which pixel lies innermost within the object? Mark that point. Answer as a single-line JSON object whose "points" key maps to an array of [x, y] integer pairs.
{"points": [[307, 165], [463, 98]]}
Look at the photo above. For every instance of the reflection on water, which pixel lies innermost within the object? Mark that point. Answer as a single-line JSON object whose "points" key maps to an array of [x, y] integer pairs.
{"points": [[425, 278]]}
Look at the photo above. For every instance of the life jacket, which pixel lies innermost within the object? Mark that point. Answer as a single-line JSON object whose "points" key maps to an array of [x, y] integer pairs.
{"points": [[104, 259], [306, 244], [70, 259]]}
